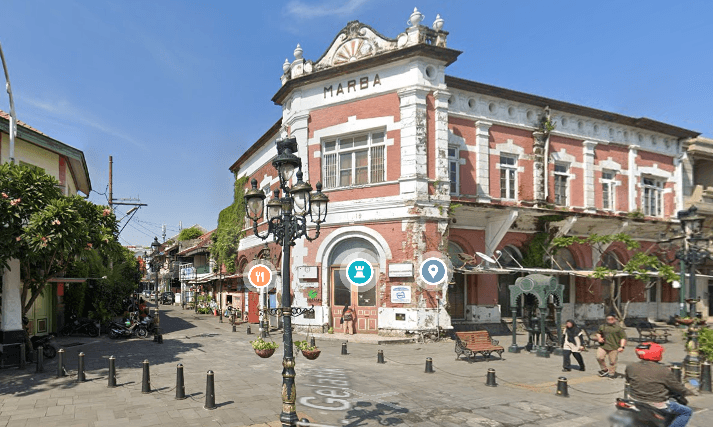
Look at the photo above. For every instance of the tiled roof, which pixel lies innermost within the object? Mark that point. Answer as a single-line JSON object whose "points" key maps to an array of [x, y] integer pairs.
{"points": [[204, 241], [6, 116]]}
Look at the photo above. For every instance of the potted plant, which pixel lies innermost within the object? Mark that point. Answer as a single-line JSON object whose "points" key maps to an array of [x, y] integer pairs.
{"points": [[685, 320], [263, 348], [308, 351], [330, 330]]}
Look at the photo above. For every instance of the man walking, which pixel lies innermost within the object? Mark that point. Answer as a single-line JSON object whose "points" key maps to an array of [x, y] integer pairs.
{"points": [[612, 341]]}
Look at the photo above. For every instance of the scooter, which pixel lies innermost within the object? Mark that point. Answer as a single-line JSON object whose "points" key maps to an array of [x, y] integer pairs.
{"points": [[632, 413], [80, 326], [128, 329], [48, 350]]}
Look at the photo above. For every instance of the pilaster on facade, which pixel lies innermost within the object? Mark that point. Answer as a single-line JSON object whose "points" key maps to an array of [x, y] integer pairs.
{"points": [[588, 166], [441, 146], [539, 181], [633, 172], [299, 129], [482, 168], [414, 132]]}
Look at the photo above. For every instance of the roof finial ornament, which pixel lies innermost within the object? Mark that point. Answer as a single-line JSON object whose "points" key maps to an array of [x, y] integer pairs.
{"points": [[298, 52], [286, 66], [415, 18], [438, 23]]}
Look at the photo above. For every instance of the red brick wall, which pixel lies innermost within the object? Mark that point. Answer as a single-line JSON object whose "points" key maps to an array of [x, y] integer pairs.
{"points": [[466, 129]]}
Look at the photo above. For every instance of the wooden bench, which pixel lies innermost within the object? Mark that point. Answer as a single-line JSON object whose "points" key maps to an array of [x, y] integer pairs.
{"points": [[650, 332], [472, 343]]}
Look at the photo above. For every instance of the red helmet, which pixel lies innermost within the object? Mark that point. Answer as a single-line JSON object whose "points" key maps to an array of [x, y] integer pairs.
{"points": [[649, 351]]}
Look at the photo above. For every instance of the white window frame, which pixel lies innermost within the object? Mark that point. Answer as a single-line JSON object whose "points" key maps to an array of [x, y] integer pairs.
{"points": [[566, 175], [454, 160], [609, 188], [337, 152], [504, 168], [657, 187]]}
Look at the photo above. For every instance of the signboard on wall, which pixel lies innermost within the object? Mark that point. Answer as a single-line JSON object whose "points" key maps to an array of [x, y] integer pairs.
{"points": [[401, 295], [307, 272], [401, 270]]}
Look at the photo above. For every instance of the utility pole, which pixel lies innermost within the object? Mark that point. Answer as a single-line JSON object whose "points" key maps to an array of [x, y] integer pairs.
{"points": [[111, 183], [12, 128]]}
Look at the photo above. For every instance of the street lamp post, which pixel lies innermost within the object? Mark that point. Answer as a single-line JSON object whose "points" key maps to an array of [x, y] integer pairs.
{"points": [[287, 222], [155, 245], [692, 255]]}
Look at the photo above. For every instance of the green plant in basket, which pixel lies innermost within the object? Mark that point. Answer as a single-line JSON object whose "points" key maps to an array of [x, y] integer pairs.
{"points": [[304, 346], [260, 344], [705, 343]]}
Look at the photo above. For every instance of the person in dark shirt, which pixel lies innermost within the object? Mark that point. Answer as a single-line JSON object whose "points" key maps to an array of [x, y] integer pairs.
{"points": [[653, 383], [612, 341]]}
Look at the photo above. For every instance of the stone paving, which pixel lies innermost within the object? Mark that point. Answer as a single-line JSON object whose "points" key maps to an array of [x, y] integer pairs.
{"points": [[334, 390]]}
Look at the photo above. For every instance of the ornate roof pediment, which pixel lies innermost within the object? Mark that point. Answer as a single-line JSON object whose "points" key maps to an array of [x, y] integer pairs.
{"points": [[354, 42]]}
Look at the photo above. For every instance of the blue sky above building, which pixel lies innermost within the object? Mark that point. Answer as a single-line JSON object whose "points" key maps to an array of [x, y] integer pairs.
{"points": [[176, 91]]}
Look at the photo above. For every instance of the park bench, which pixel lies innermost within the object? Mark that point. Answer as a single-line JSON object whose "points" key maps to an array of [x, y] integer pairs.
{"points": [[650, 332], [474, 342]]}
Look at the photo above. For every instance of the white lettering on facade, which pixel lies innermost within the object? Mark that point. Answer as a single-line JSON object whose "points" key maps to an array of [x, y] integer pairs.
{"points": [[351, 86]]}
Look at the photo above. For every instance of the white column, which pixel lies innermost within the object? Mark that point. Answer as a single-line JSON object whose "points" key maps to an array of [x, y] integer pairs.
{"points": [[589, 184], [633, 152], [414, 172], [441, 145], [684, 178], [482, 168], [11, 300]]}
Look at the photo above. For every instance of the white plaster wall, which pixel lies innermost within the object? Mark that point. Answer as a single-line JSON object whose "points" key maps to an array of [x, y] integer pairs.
{"points": [[321, 316], [485, 314], [416, 319]]}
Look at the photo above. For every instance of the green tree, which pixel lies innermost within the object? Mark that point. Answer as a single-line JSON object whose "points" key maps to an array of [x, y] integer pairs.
{"points": [[189, 234], [45, 230], [641, 266]]}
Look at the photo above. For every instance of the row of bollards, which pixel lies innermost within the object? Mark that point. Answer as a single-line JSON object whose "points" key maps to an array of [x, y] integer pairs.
{"points": [[40, 359]]}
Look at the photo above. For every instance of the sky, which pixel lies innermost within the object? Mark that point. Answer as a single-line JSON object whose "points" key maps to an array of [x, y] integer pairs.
{"points": [[176, 90]]}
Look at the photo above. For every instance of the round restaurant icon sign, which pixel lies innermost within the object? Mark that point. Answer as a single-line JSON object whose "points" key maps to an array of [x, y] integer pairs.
{"points": [[260, 276]]}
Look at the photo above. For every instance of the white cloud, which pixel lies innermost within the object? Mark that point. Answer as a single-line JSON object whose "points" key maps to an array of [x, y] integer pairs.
{"points": [[64, 112], [304, 10]]}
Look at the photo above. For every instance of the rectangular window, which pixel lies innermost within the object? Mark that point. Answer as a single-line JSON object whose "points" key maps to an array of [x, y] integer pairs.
{"points": [[608, 190], [508, 170], [561, 177], [453, 169], [354, 160], [652, 196]]}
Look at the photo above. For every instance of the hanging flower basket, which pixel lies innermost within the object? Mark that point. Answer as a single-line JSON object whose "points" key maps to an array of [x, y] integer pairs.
{"points": [[687, 321], [265, 353], [311, 354]]}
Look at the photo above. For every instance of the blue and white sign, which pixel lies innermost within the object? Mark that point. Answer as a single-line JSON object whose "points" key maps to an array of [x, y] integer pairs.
{"points": [[359, 272], [401, 295], [433, 271]]}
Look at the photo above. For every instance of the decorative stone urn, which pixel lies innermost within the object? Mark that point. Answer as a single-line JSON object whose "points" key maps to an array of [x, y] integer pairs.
{"points": [[286, 66], [438, 23], [415, 18], [298, 52]]}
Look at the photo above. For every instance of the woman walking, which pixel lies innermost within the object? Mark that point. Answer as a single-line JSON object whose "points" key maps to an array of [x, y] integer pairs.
{"points": [[348, 320], [573, 344]]}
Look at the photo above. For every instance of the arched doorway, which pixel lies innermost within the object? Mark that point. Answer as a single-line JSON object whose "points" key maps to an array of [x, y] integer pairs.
{"points": [[364, 300], [511, 257], [610, 287], [456, 289]]}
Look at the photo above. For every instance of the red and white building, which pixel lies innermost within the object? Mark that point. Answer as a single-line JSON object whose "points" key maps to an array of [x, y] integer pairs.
{"points": [[414, 160]]}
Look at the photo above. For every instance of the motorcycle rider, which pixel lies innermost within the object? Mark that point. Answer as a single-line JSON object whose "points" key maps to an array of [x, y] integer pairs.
{"points": [[653, 383]]}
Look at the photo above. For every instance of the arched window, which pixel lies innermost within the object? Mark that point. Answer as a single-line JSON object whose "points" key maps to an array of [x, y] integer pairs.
{"points": [[564, 260], [511, 256], [453, 251]]}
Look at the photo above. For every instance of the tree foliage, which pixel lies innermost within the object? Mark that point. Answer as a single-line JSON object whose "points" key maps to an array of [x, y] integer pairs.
{"points": [[227, 235], [45, 230], [189, 234]]}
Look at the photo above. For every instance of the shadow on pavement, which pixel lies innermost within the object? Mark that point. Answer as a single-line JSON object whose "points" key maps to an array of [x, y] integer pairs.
{"points": [[129, 354], [364, 413]]}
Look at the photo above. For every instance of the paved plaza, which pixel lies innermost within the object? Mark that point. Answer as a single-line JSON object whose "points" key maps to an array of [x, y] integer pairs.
{"points": [[334, 390]]}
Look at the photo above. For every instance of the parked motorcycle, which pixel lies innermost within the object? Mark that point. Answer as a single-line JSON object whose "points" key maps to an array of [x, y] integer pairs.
{"points": [[632, 413], [128, 328], [82, 326], [48, 350]]}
